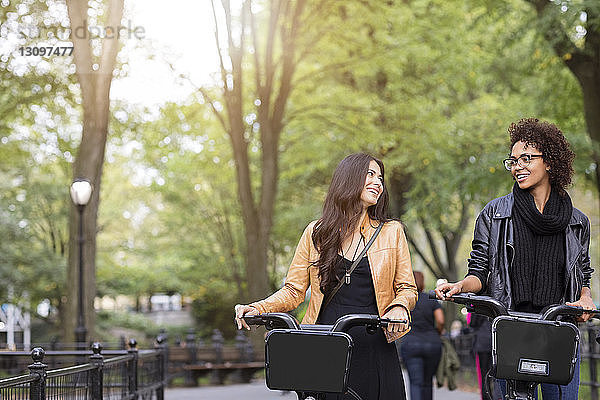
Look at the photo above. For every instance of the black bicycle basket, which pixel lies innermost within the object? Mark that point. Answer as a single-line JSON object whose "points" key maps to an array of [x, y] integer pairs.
{"points": [[307, 360], [534, 350]]}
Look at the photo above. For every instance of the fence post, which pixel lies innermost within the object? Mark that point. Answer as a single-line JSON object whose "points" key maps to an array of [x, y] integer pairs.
{"points": [[37, 389], [217, 340], [97, 374], [190, 345], [132, 375], [163, 358], [248, 357], [238, 376], [592, 361]]}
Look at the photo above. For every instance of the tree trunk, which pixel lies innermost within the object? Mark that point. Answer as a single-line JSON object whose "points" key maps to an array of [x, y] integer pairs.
{"points": [[443, 265], [258, 282], [399, 184], [451, 309], [588, 75], [94, 80], [270, 63]]}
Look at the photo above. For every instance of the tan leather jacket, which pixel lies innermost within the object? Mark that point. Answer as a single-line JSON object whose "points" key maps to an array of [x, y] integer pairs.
{"points": [[390, 268]]}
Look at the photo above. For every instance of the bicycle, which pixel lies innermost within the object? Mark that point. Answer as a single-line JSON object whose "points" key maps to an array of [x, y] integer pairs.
{"points": [[311, 360], [528, 349]]}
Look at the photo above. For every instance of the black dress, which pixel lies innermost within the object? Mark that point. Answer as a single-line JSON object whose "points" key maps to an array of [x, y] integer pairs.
{"points": [[375, 372]]}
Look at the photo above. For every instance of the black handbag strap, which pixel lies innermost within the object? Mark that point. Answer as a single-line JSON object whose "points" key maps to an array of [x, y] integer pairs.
{"points": [[352, 267]]}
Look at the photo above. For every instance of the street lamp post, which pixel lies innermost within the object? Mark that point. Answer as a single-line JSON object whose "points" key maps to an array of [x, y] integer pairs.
{"points": [[81, 191]]}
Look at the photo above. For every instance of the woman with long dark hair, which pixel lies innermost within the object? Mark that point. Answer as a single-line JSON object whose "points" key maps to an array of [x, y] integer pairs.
{"points": [[531, 247], [382, 282]]}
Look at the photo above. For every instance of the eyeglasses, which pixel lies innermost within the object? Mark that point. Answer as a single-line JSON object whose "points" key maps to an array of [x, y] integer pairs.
{"points": [[522, 161]]}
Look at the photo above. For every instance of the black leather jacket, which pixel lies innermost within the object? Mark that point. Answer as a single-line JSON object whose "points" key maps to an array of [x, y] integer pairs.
{"points": [[493, 250]]}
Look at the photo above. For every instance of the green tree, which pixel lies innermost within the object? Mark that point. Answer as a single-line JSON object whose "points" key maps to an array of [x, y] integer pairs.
{"points": [[573, 31], [33, 224], [36, 148], [170, 221]]}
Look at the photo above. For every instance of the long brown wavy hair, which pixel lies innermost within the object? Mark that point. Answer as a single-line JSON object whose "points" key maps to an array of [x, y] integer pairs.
{"points": [[341, 213]]}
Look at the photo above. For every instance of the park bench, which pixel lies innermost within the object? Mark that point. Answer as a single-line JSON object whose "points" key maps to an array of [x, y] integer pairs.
{"points": [[235, 363]]}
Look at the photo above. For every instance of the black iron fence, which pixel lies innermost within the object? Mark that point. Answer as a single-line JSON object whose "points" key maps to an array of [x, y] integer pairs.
{"points": [[130, 374], [590, 352], [184, 362]]}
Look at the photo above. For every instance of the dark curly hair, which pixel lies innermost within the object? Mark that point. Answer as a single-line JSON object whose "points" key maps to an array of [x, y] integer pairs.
{"points": [[551, 142]]}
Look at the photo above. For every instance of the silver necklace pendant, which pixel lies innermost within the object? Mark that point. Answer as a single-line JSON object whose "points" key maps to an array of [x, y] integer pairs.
{"points": [[347, 275]]}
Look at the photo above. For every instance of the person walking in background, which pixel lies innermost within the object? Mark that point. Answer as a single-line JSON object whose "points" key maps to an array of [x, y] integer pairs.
{"points": [[354, 212], [421, 348], [531, 247], [482, 348]]}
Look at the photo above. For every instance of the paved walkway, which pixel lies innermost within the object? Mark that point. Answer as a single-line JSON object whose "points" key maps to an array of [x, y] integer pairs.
{"points": [[259, 391]]}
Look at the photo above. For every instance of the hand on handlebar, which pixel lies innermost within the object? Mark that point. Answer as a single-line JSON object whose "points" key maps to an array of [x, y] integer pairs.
{"points": [[396, 314], [445, 290], [240, 311], [586, 303]]}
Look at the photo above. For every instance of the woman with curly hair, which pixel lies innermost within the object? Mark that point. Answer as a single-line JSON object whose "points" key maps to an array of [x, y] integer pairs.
{"points": [[530, 248], [382, 283]]}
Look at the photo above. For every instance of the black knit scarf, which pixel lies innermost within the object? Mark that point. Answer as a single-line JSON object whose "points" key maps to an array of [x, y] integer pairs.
{"points": [[538, 268]]}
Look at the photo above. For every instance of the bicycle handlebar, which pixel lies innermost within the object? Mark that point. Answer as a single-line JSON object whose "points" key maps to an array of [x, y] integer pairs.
{"points": [[343, 324], [273, 320], [551, 312], [484, 305], [492, 308]]}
